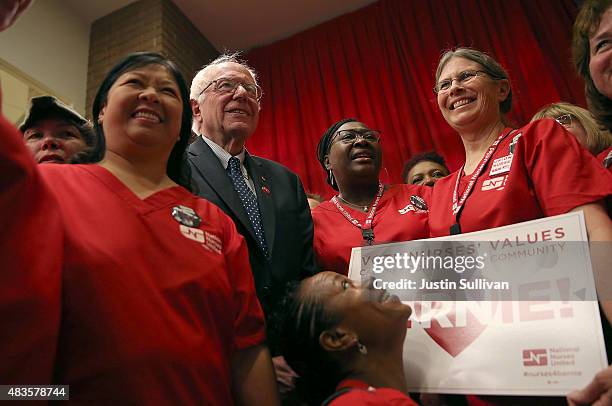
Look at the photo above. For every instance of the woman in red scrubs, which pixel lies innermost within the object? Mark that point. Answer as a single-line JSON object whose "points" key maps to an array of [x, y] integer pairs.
{"points": [[158, 303], [345, 340], [510, 175], [364, 211]]}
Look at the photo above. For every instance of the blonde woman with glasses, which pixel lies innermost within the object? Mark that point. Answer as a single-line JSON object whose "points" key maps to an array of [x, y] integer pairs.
{"points": [[364, 211], [582, 124]]}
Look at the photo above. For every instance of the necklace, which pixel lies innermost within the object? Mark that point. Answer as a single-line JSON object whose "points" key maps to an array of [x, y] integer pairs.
{"points": [[358, 206], [367, 231]]}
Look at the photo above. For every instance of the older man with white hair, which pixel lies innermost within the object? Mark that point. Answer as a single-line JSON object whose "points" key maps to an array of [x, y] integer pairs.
{"points": [[265, 199]]}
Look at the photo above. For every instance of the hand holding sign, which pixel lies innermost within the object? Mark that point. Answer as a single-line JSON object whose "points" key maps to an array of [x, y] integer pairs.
{"points": [[598, 392]]}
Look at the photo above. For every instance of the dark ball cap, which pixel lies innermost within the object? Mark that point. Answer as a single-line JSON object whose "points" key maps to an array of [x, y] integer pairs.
{"points": [[42, 107]]}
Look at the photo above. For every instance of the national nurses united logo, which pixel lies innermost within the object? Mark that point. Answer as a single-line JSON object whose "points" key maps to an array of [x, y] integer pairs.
{"points": [[537, 357], [417, 204], [208, 240], [497, 183]]}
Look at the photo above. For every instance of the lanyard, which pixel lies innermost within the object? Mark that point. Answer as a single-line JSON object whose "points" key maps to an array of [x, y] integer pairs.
{"points": [[366, 229], [458, 204]]}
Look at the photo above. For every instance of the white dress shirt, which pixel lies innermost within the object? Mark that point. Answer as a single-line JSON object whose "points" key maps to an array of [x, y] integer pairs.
{"points": [[224, 158]]}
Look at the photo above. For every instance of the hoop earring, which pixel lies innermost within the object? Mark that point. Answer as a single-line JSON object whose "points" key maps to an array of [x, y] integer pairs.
{"points": [[362, 348], [387, 177], [331, 178]]}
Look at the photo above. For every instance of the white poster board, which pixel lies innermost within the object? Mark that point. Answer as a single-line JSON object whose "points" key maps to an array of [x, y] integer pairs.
{"points": [[507, 346]]}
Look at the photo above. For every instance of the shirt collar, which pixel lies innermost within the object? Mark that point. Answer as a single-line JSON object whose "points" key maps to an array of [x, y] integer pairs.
{"points": [[222, 154], [354, 383]]}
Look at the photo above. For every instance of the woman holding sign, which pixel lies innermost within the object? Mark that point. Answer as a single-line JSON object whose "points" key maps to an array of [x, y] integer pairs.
{"points": [[365, 211], [509, 175]]}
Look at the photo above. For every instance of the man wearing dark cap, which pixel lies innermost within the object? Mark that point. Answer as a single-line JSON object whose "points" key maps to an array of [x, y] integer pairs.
{"points": [[55, 133]]}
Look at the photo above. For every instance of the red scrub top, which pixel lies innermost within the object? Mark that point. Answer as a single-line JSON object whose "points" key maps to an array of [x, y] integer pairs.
{"points": [[152, 310], [538, 170], [549, 174], [396, 219], [31, 253], [362, 394]]}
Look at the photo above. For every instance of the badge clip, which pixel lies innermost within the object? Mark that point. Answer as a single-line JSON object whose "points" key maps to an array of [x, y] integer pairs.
{"points": [[186, 216]]}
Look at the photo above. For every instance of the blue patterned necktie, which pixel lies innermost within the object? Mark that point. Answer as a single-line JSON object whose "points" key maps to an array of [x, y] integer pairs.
{"points": [[249, 201]]}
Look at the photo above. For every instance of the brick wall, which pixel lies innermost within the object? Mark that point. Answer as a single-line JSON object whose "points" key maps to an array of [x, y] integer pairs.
{"points": [[145, 25], [183, 43]]}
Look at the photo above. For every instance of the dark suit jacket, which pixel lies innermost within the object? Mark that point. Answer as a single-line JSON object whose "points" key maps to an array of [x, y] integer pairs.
{"points": [[285, 215]]}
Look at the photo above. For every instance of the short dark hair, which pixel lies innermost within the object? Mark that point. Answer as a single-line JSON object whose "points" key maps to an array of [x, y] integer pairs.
{"points": [[586, 23], [177, 168], [325, 144], [431, 156], [303, 320]]}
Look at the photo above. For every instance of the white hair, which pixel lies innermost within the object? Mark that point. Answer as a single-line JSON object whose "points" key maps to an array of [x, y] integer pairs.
{"points": [[198, 83]]}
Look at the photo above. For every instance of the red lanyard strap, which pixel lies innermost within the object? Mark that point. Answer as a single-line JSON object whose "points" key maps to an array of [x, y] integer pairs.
{"points": [[458, 204], [366, 229]]}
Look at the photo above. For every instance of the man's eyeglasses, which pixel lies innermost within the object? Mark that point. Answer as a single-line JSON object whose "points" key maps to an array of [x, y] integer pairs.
{"points": [[565, 120], [462, 78], [351, 136], [225, 85]]}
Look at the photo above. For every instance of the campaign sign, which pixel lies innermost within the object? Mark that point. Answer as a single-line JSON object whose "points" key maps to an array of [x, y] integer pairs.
{"points": [[505, 311]]}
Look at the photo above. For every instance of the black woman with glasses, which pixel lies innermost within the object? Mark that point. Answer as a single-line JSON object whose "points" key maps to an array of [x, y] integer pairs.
{"points": [[364, 212], [509, 175], [580, 122]]}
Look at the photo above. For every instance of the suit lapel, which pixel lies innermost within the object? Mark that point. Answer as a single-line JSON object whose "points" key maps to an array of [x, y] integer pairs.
{"points": [[261, 180], [210, 170]]}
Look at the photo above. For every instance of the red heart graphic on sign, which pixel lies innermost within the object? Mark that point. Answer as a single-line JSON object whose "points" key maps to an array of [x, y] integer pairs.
{"points": [[452, 328]]}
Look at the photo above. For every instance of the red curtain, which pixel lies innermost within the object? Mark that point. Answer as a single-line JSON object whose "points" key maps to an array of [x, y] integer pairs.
{"points": [[378, 63]]}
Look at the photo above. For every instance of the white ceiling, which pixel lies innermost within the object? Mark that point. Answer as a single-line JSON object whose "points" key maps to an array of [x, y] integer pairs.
{"points": [[239, 24]]}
